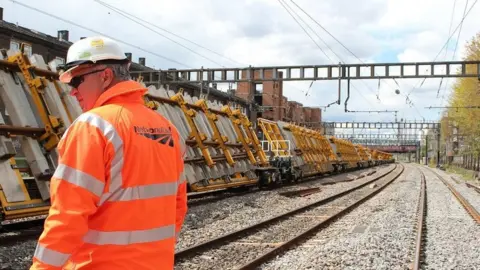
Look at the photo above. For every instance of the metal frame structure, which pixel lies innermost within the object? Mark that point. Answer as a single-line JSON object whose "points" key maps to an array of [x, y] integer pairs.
{"points": [[383, 142], [318, 72], [381, 125], [378, 136]]}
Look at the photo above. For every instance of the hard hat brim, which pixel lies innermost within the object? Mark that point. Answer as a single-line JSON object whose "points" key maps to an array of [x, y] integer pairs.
{"points": [[66, 77], [75, 67]]}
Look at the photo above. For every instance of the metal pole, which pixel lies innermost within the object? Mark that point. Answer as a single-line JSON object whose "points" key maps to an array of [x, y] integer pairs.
{"points": [[426, 150], [438, 149]]}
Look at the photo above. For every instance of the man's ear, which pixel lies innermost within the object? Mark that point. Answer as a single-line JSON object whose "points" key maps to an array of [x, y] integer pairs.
{"points": [[108, 77]]}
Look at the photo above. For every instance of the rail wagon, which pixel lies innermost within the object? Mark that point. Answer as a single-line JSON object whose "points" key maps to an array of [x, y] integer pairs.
{"points": [[346, 152], [365, 156], [221, 144]]}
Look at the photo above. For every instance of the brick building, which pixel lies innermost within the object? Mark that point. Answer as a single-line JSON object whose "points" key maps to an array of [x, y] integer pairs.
{"points": [[267, 95], [272, 105]]}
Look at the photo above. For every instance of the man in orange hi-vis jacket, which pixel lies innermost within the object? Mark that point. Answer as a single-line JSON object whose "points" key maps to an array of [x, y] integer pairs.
{"points": [[118, 194]]}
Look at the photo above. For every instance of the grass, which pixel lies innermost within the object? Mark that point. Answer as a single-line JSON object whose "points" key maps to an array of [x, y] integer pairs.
{"points": [[468, 175]]}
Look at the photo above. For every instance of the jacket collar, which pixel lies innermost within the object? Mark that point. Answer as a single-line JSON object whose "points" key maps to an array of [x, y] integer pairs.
{"points": [[122, 92]]}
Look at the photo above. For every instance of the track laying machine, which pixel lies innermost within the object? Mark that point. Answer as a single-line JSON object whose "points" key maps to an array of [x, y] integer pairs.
{"points": [[223, 150]]}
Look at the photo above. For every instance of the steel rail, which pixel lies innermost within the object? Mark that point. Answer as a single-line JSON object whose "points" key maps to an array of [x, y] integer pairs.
{"points": [[209, 244], [199, 198], [421, 213], [300, 192], [305, 234], [476, 188], [13, 238], [468, 207]]}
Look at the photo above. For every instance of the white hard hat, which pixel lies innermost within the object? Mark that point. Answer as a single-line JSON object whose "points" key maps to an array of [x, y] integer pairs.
{"points": [[90, 51]]}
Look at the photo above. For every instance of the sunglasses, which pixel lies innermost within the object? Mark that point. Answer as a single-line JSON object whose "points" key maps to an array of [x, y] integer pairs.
{"points": [[77, 80]]}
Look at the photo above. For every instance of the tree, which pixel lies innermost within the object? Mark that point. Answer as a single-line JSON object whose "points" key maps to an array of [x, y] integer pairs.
{"points": [[466, 92]]}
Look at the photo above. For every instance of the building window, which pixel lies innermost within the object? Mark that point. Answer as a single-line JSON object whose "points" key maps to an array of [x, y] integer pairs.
{"points": [[27, 49], [59, 60], [14, 45]]}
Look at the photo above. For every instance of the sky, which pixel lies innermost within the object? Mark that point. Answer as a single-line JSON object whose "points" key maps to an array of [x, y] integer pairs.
{"points": [[262, 33]]}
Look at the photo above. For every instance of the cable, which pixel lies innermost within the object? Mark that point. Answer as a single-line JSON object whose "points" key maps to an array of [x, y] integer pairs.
{"points": [[456, 44], [341, 45], [448, 40], [446, 49], [316, 22], [326, 31], [284, 6], [99, 33], [316, 34], [126, 14], [303, 28]]}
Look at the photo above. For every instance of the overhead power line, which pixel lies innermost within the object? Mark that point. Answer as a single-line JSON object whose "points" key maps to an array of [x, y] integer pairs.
{"points": [[446, 43], [446, 49], [341, 43], [303, 28], [316, 34], [341, 60], [317, 23], [130, 16], [99, 33]]}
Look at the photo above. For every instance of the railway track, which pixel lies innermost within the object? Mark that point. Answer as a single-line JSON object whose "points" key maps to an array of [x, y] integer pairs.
{"points": [[466, 205], [12, 234], [252, 246], [476, 188], [421, 223], [14, 237], [194, 199]]}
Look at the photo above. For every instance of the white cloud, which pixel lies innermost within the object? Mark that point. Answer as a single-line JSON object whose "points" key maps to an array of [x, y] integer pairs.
{"points": [[261, 32]]}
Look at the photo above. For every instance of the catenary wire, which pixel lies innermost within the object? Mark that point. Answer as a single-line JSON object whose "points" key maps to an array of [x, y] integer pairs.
{"points": [[448, 40], [99, 33], [339, 58], [137, 20], [345, 47]]}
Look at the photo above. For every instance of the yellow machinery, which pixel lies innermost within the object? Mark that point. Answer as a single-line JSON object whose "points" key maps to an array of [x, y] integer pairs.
{"points": [[346, 152], [365, 158], [309, 151], [223, 151], [381, 156]]}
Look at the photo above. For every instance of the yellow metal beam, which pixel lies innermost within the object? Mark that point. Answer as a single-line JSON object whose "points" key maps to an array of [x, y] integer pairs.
{"points": [[195, 134], [37, 89], [212, 119]]}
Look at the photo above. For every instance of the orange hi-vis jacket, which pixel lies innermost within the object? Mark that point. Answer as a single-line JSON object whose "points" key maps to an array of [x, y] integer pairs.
{"points": [[118, 195]]}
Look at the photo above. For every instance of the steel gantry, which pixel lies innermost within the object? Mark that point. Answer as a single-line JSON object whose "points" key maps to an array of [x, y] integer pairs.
{"points": [[448, 69], [381, 125], [373, 136]]}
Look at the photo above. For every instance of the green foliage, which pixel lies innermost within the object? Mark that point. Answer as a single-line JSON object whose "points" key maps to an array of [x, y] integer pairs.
{"points": [[467, 175], [466, 92]]}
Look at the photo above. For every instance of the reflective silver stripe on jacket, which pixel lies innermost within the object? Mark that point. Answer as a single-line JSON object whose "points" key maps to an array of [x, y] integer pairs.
{"points": [[114, 138], [50, 256], [129, 237], [79, 178], [183, 177], [144, 192]]}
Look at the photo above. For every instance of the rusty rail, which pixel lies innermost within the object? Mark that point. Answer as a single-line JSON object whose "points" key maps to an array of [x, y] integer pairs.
{"points": [[468, 207], [300, 192], [421, 213], [476, 188]]}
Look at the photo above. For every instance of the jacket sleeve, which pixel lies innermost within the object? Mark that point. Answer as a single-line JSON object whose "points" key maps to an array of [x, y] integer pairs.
{"points": [[182, 188], [76, 187]]}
